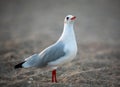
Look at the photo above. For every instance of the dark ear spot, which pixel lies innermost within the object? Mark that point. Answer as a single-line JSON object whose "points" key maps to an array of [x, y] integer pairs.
{"points": [[67, 18]]}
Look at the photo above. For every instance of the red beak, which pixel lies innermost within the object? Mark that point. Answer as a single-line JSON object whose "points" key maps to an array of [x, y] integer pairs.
{"points": [[73, 18]]}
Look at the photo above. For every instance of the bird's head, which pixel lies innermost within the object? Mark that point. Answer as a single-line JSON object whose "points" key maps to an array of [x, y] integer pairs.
{"points": [[69, 19]]}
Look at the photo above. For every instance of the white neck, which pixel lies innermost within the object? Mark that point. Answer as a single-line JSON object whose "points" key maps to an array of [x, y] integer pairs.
{"points": [[68, 33], [69, 40]]}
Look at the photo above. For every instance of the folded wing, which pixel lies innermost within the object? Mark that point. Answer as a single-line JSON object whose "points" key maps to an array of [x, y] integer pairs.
{"points": [[50, 54]]}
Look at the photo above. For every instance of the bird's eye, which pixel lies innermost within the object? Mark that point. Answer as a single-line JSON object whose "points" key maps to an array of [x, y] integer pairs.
{"points": [[67, 18]]}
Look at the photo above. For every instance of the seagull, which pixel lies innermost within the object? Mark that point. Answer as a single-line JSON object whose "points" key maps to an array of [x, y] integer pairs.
{"points": [[61, 52]]}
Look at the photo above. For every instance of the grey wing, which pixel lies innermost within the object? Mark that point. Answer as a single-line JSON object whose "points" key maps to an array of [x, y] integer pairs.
{"points": [[53, 53], [50, 54], [31, 61]]}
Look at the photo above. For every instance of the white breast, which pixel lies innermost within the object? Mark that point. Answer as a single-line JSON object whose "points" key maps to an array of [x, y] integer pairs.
{"points": [[70, 46]]}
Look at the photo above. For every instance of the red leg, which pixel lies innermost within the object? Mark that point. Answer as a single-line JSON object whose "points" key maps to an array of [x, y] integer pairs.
{"points": [[55, 76], [54, 79]]}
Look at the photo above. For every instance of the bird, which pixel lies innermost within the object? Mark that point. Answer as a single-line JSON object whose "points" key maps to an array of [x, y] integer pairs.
{"points": [[61, 52]]}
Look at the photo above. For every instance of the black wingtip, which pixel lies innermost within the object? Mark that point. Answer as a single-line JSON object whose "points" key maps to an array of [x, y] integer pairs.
{"points": [[19, 65]]}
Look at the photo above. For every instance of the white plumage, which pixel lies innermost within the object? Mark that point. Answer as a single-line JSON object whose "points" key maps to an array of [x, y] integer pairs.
{"points": [[61, 52]]}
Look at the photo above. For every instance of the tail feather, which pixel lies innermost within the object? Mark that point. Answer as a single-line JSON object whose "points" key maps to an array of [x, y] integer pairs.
{"points": [[19, 65]]}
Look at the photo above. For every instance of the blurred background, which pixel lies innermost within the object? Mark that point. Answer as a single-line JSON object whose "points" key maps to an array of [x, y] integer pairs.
{"points": [[97, 20], [29, 26]]}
